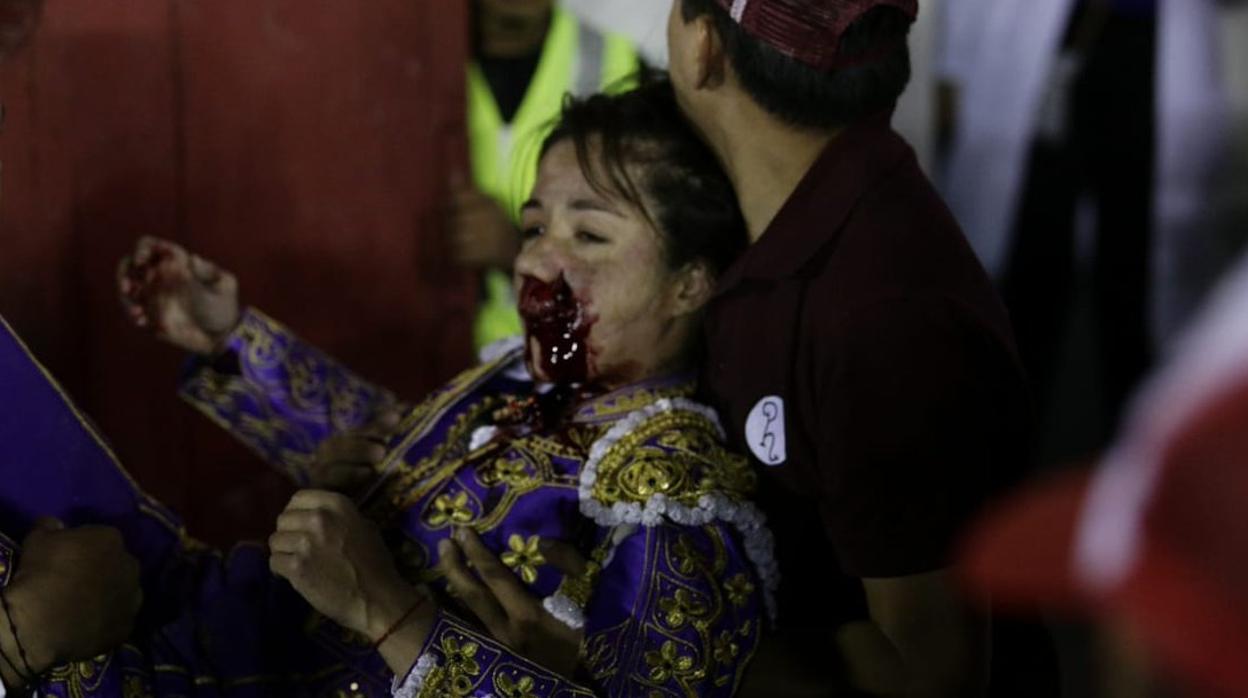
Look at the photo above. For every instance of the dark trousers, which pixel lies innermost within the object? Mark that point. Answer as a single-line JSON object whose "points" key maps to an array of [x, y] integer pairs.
{"points": [[1108, 158]]}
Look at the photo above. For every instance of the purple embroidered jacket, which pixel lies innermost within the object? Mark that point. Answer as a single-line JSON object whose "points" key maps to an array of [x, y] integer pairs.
{"points": [[638, 479]]}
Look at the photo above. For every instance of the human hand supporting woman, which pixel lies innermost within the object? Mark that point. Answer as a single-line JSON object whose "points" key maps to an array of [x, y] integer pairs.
{"points": [[511, 614], [336, 559], [347, 461], [181, 297]]}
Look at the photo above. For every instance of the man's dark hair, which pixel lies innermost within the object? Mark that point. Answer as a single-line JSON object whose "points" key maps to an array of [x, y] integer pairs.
{"points": [[639, 146], [804, 96]]}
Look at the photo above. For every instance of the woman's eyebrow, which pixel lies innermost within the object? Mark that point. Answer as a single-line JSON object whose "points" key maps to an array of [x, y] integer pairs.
{"points": [[531, 204], [594, 205]]}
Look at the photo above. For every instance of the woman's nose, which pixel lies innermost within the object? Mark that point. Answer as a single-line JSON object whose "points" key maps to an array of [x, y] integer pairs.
{"points": [[539, 259]]}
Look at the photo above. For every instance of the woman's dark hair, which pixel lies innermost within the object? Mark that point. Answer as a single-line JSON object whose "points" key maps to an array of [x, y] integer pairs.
{"points": [[803, 96], [639, 146]]}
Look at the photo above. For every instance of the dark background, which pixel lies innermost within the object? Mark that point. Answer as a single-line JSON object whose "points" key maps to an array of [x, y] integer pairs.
{"points": [[303, 144]]}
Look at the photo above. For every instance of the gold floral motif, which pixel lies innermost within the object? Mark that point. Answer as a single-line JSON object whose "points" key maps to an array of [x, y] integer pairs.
{"points": [[581, 437], [450, 509], [739, 589], [80, 678], [260, 333], [676, 453], [307, 389], [685, 557], [524, 557], [135, 687], [667, 662], [511, 688], [680, 608], [460, 660], [460, 685], [657, 473], [724, 650], [509, 469]]}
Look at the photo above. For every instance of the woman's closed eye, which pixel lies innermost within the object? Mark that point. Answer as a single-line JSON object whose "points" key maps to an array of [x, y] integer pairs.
{"points": [[590, 237]]}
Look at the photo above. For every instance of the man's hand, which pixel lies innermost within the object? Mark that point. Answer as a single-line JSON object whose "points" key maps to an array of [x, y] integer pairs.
{"points": [[346, 462], [482, 236], [74, 596], [183, 298], [336, 560], [504, 605], [943, 644]]}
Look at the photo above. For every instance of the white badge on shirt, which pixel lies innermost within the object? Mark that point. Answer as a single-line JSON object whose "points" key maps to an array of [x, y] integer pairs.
{"points": [[764, 431]]}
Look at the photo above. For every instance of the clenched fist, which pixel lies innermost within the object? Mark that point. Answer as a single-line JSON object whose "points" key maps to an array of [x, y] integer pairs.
{"points": [[337, 561], [75, 593], [183, 298]]}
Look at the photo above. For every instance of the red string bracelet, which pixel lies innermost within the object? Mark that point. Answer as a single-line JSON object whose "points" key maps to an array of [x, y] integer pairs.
{"points": [[399, 623]]}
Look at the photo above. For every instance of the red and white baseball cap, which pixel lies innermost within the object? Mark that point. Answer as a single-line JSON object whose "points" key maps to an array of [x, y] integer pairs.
{"points": [[809, 31], [1157, 535]]}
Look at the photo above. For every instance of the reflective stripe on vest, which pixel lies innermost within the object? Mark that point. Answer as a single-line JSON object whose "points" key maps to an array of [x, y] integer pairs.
{"points": [[589, 60], [575, 59]]}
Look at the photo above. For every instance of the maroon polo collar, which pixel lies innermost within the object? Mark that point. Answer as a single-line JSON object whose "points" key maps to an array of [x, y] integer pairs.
{"points": [[812, 217]]}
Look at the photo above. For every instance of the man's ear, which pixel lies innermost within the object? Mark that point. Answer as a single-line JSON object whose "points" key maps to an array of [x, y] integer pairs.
{"points": [[710, 61]]}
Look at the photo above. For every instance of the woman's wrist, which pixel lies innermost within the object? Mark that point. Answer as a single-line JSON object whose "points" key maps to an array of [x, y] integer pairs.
{"points": [[219, 339], [400, 643]]}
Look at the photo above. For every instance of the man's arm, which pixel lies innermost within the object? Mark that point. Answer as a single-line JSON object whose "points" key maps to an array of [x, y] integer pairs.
{"points": [[942, 644], [918, 406]]}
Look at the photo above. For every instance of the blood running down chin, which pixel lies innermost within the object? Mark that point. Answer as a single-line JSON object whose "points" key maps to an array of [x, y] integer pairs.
{"points": [[559, 323]]}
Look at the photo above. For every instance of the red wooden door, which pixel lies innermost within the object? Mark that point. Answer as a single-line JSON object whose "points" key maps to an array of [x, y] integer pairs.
{"points": [[304, 144]]}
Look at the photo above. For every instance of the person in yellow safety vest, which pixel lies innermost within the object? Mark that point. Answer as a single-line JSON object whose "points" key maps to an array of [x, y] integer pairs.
{"points": [[528, 54]]}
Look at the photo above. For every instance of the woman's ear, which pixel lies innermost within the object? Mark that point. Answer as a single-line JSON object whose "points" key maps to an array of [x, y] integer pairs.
{"points": [[695, 284]]}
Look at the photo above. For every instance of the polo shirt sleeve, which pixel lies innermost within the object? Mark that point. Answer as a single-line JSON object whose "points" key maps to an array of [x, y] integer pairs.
{"points": [[904, 434]]}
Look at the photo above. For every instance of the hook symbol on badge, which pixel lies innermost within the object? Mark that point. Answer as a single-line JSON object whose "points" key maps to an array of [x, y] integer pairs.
{"points": [[771, 412], [764, 431]]}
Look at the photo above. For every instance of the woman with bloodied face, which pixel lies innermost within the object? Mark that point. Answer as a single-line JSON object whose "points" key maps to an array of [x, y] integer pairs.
{"points": [[626, 233], [562, 519]]}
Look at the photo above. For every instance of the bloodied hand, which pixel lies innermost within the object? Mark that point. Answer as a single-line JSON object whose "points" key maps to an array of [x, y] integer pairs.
{"points": [[183, 298]]}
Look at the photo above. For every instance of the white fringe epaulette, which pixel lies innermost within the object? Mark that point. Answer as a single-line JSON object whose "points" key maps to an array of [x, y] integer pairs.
{"points": [[564, 610], [744, 516], [415, 679]]}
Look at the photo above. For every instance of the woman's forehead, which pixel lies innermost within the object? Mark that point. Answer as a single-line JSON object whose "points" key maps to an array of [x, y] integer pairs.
{"points": [[561, 180], [562, 176]]}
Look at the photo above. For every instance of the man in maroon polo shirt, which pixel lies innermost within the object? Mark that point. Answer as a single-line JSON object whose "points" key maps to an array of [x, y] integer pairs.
{"points": [[857, 349]]}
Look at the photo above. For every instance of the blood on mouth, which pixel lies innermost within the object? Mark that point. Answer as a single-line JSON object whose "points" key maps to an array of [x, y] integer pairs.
{"points": [[558, 320]]}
